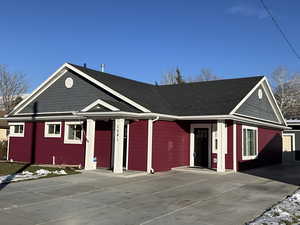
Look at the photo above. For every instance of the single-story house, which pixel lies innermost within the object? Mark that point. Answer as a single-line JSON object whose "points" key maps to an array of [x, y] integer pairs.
{"points": [[291, 141], [80, 116]]}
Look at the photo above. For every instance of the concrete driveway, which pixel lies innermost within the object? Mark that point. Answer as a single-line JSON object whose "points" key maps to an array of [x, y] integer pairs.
{"points": [[166, 198]]}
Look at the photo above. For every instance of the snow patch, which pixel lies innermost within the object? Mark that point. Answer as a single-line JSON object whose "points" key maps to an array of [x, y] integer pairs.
{"points": [[26, 175], [285, 212]]}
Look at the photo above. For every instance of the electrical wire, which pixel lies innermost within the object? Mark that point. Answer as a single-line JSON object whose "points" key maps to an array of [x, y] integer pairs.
{"points": [[292, 48]]}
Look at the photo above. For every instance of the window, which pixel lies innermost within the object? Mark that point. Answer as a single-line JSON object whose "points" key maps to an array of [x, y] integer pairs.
{"points": [[73, 132], [52, 129], [16, 129], [250, 140]]}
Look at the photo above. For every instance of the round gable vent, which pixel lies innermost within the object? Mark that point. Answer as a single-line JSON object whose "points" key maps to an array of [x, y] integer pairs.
{"points": [[260, 94], [69, 82]]}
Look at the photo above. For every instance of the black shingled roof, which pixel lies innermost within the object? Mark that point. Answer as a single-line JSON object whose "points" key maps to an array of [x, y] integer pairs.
{"points": [[200, 98]]}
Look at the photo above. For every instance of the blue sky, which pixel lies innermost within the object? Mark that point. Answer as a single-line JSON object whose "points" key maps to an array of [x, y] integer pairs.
{"points": [[142, 39]]}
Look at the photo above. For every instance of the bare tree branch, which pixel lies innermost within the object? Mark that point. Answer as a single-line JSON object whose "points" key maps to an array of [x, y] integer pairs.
{"points": [[173, 77], [286, 87], [12, 86]]}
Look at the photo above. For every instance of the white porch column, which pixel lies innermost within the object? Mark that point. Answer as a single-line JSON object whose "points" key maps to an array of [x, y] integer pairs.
{"points": [[90, 144], [234, 148], [149, 147], [221, 145], [118, 145]]}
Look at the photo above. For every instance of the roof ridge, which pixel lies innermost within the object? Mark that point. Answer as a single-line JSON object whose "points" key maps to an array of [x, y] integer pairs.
{"points": [[210, 81], [109, 74]]}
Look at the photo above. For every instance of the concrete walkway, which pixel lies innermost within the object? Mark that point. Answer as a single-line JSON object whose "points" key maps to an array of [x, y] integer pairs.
{"points": [[169, 198]]}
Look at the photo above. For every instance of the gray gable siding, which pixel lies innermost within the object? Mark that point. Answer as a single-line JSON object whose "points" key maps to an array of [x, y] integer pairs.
{"points": [[58, 98], [259, 108]]}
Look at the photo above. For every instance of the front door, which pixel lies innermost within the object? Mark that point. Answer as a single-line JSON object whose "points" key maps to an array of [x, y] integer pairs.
{"points": [[201, 147]]}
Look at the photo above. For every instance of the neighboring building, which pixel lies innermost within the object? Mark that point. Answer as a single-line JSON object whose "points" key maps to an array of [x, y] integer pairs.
{"points": [[82, 116], [3, 127], [291, 141]]}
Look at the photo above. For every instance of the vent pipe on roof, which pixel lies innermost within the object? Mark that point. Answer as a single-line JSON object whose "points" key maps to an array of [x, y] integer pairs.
{"points": [[102, 66]]}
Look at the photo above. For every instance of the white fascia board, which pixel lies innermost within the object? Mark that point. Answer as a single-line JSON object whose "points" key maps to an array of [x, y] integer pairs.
{"points": [[100, 102], [43, 118], [38, 90], [113, 92], [259, 123], [256, 118], [246, 97]]}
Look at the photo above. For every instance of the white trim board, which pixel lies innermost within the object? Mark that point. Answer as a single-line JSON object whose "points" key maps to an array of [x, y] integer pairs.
{"points": [[118, 114], [100, 102], [57, 74]]}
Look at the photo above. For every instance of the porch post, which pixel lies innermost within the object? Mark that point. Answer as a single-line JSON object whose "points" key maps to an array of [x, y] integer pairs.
{"points": [[118, 145], [90, 144], [221, 145], [149, 147], [234, 148]]}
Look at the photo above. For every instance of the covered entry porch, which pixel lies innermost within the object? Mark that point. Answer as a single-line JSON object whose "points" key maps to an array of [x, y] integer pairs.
{"points": [[154, 145]]}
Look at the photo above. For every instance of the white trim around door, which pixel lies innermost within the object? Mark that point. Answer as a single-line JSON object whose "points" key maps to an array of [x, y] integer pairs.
{"points": [[192, 141]]}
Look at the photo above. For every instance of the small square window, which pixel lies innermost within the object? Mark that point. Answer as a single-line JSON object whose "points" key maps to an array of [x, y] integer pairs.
{"points": [[16, 129], [53, 129]]}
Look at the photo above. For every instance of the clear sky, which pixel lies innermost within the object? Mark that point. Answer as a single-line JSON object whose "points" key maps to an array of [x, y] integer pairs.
{"points": [[142, 39]]}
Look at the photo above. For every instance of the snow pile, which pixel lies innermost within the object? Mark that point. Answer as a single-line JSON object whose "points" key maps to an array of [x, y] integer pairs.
{"points": [[285, 212], [26, 175]]}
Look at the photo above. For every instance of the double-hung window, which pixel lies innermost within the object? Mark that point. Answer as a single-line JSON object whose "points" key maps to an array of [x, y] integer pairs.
{"points": [[52, 129], [73, 132], [16, 129], [250, 144]]}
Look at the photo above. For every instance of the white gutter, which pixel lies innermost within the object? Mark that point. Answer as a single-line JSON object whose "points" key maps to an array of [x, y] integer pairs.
{"points": [[120, 114]]}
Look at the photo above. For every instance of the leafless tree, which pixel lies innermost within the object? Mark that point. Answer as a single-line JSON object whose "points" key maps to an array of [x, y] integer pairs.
{"points": [[286, 87], [205, 75], [12, 86], [173, 77]]}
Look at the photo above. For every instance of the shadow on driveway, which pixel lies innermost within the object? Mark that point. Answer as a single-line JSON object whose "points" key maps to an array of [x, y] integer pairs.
{"points": [[286, 173]]}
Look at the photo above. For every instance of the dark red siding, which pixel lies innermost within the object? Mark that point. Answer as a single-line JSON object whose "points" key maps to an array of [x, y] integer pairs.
{"points": [[21, 148], [138, 144], [171, 145], [229, 155], [269, 148], [103, 143]]}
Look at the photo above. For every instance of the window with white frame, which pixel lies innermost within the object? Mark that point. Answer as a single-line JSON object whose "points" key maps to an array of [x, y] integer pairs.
{"points": [[250, 145], [16, 129], [52, 129], [73, 132]]}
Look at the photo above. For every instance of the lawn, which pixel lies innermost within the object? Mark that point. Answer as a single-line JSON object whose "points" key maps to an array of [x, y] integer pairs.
{"points": [[32, 171]]}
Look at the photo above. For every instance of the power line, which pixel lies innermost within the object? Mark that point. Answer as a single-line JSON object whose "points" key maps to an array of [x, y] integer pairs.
{"points": [[292, 48]]}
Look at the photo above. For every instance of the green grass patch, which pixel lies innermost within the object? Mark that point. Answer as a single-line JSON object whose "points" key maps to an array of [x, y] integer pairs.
{"points": [[7, 168]]}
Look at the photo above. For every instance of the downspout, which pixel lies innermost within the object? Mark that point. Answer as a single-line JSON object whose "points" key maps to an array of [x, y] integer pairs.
{"points": [[150, 149]]}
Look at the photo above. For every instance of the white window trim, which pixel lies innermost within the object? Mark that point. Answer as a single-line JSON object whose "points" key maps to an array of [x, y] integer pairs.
{"points": [[66, 131], [12, 131], [46, 134], [252, 156]]}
